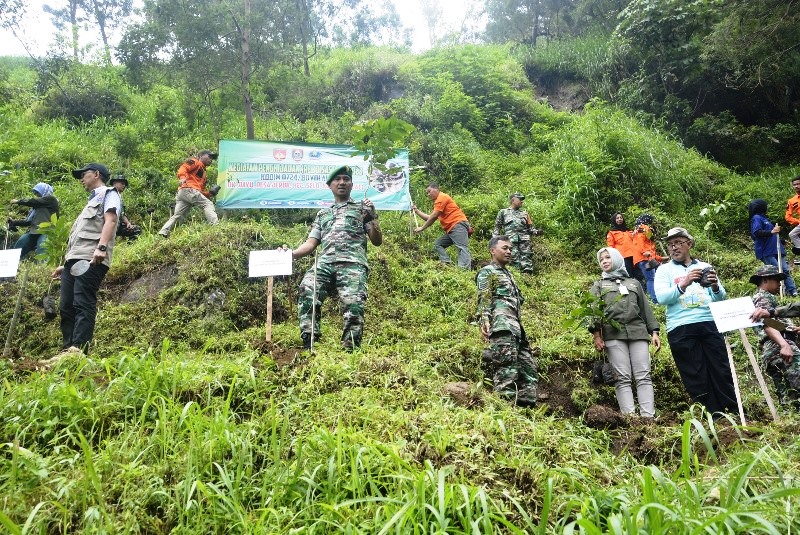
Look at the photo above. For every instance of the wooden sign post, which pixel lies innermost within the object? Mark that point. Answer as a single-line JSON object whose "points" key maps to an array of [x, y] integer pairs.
{"points": [[270, 264]]}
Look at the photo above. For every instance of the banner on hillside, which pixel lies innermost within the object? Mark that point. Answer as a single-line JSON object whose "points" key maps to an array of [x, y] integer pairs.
{"points": [[266, 174]]}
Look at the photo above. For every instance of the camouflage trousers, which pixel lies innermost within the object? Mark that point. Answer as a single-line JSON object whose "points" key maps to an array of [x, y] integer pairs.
{"points": [[521, 254], [510, 364], [786, 377], [349, 282]]}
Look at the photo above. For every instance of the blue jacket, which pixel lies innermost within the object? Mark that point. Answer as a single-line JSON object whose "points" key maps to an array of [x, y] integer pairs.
{"points": [[764, 242]]}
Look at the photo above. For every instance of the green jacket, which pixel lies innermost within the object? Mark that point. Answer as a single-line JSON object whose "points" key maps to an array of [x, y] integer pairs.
{"points": [[631, 311]]}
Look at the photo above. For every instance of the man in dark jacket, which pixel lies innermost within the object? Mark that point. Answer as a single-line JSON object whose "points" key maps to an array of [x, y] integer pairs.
{"points": [[42, 206]]}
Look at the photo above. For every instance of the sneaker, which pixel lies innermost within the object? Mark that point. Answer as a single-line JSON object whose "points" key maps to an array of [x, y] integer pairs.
{"points": [[796, 250], [797, 261]]}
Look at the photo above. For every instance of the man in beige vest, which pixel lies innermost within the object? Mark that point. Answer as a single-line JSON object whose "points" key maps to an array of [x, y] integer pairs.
{"points": [[88, 257]]}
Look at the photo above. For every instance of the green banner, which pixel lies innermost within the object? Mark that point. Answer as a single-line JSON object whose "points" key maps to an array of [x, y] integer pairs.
{"points": [[266, 174]]}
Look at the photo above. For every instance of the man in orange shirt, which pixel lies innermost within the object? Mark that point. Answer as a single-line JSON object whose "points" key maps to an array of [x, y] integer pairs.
{"points": [[453, 221], [192, 191], [793, 218]]}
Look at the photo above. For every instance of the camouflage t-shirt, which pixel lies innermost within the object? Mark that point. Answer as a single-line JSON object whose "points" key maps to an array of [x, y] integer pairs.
{"points": [[499, 300], [513, 223], [341, 232]]}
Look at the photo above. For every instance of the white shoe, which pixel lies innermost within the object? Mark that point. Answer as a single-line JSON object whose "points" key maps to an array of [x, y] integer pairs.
{"points": [[46, 364]]}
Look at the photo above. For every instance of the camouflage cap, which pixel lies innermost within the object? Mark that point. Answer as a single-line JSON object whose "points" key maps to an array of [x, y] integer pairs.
{"points": [[519, 196], [343, 170], [764, 272]]}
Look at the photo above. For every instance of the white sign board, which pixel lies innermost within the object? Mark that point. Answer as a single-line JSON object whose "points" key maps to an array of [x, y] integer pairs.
{"points": [[9, 262], [270, 263], [733, 314]]}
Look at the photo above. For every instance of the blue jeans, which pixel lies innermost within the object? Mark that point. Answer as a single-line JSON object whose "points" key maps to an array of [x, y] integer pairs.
{"points": [[649, 277], [772, 260], [30, 242]]}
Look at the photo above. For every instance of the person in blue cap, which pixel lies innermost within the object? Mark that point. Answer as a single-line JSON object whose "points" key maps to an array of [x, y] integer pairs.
{"points": [[42, 206]]}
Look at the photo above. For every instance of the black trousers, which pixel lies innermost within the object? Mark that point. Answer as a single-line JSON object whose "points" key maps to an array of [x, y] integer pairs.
{"points": [[79, 304], [702, 360]]}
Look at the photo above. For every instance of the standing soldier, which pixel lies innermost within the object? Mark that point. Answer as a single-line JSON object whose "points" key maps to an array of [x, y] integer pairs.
{"points": [[508, 360], [342, 230], [193, 191], [517, 225]]}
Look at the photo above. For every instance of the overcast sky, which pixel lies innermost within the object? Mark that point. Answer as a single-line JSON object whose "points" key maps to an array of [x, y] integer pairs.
{"points": [[38, 33]]}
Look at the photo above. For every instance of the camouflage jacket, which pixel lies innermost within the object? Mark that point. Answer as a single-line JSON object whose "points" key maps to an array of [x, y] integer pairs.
{"points": [[499, 300], [513, 223], [341, 232], [767, 301]]}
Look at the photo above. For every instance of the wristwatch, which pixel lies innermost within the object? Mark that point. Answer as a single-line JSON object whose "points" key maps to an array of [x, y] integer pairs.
{"points": [[102, 248]]}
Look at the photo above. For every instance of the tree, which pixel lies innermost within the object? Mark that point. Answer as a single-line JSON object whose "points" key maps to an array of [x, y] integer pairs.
{"points": [[525, 21], [67, 17]]}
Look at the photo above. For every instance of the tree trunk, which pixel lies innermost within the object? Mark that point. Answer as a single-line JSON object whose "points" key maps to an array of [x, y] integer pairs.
{"points": [[73, 21], [100, 18], [246, 97]]}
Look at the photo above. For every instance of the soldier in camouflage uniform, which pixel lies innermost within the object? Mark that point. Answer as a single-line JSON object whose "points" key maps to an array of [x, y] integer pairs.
{"points": [[779, 351], [342, 230], [508, 360], [517, 225]]}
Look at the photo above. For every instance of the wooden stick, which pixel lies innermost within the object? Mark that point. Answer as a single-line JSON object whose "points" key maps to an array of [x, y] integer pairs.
{"points": [[12, 327], [735, 381], [270, 281], [759, 376]]}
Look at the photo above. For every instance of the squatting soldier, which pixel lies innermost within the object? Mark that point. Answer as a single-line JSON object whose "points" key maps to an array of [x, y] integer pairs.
{"points": [[779, 350], [517, 225], [508, 360], [341, 268]]}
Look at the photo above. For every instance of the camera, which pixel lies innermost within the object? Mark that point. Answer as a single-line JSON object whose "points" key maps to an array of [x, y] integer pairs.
{"points": [[214, 190], [704, 275]]}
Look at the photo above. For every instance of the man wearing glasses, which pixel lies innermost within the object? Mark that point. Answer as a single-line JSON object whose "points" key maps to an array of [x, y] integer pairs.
{"points": [[686, 286]]}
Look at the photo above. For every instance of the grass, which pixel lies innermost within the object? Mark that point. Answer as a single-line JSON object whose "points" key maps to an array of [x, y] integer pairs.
{"points": [[178, 422]]}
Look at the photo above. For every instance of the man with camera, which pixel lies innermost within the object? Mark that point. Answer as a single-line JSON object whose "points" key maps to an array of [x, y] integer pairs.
{"points": [[192, 191], [686, 286]]}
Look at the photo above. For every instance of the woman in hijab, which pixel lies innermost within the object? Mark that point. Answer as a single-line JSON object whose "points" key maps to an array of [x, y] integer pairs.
{"points": [[621, 238], [42, 206], [766, 241], [625, 332]]}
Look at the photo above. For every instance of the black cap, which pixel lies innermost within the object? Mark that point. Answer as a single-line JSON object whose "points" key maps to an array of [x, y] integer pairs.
{"points": [[100, 168], [211, 154], [119, 178], [343, 170]]}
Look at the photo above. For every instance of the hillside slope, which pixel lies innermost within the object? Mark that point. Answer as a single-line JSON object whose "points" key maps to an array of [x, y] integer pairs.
{"points": [[183, 419]]}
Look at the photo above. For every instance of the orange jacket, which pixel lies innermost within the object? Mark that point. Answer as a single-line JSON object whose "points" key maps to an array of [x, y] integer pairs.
{"points": [[793, 211], [643, 243], [192, 174], [621, 240]]}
